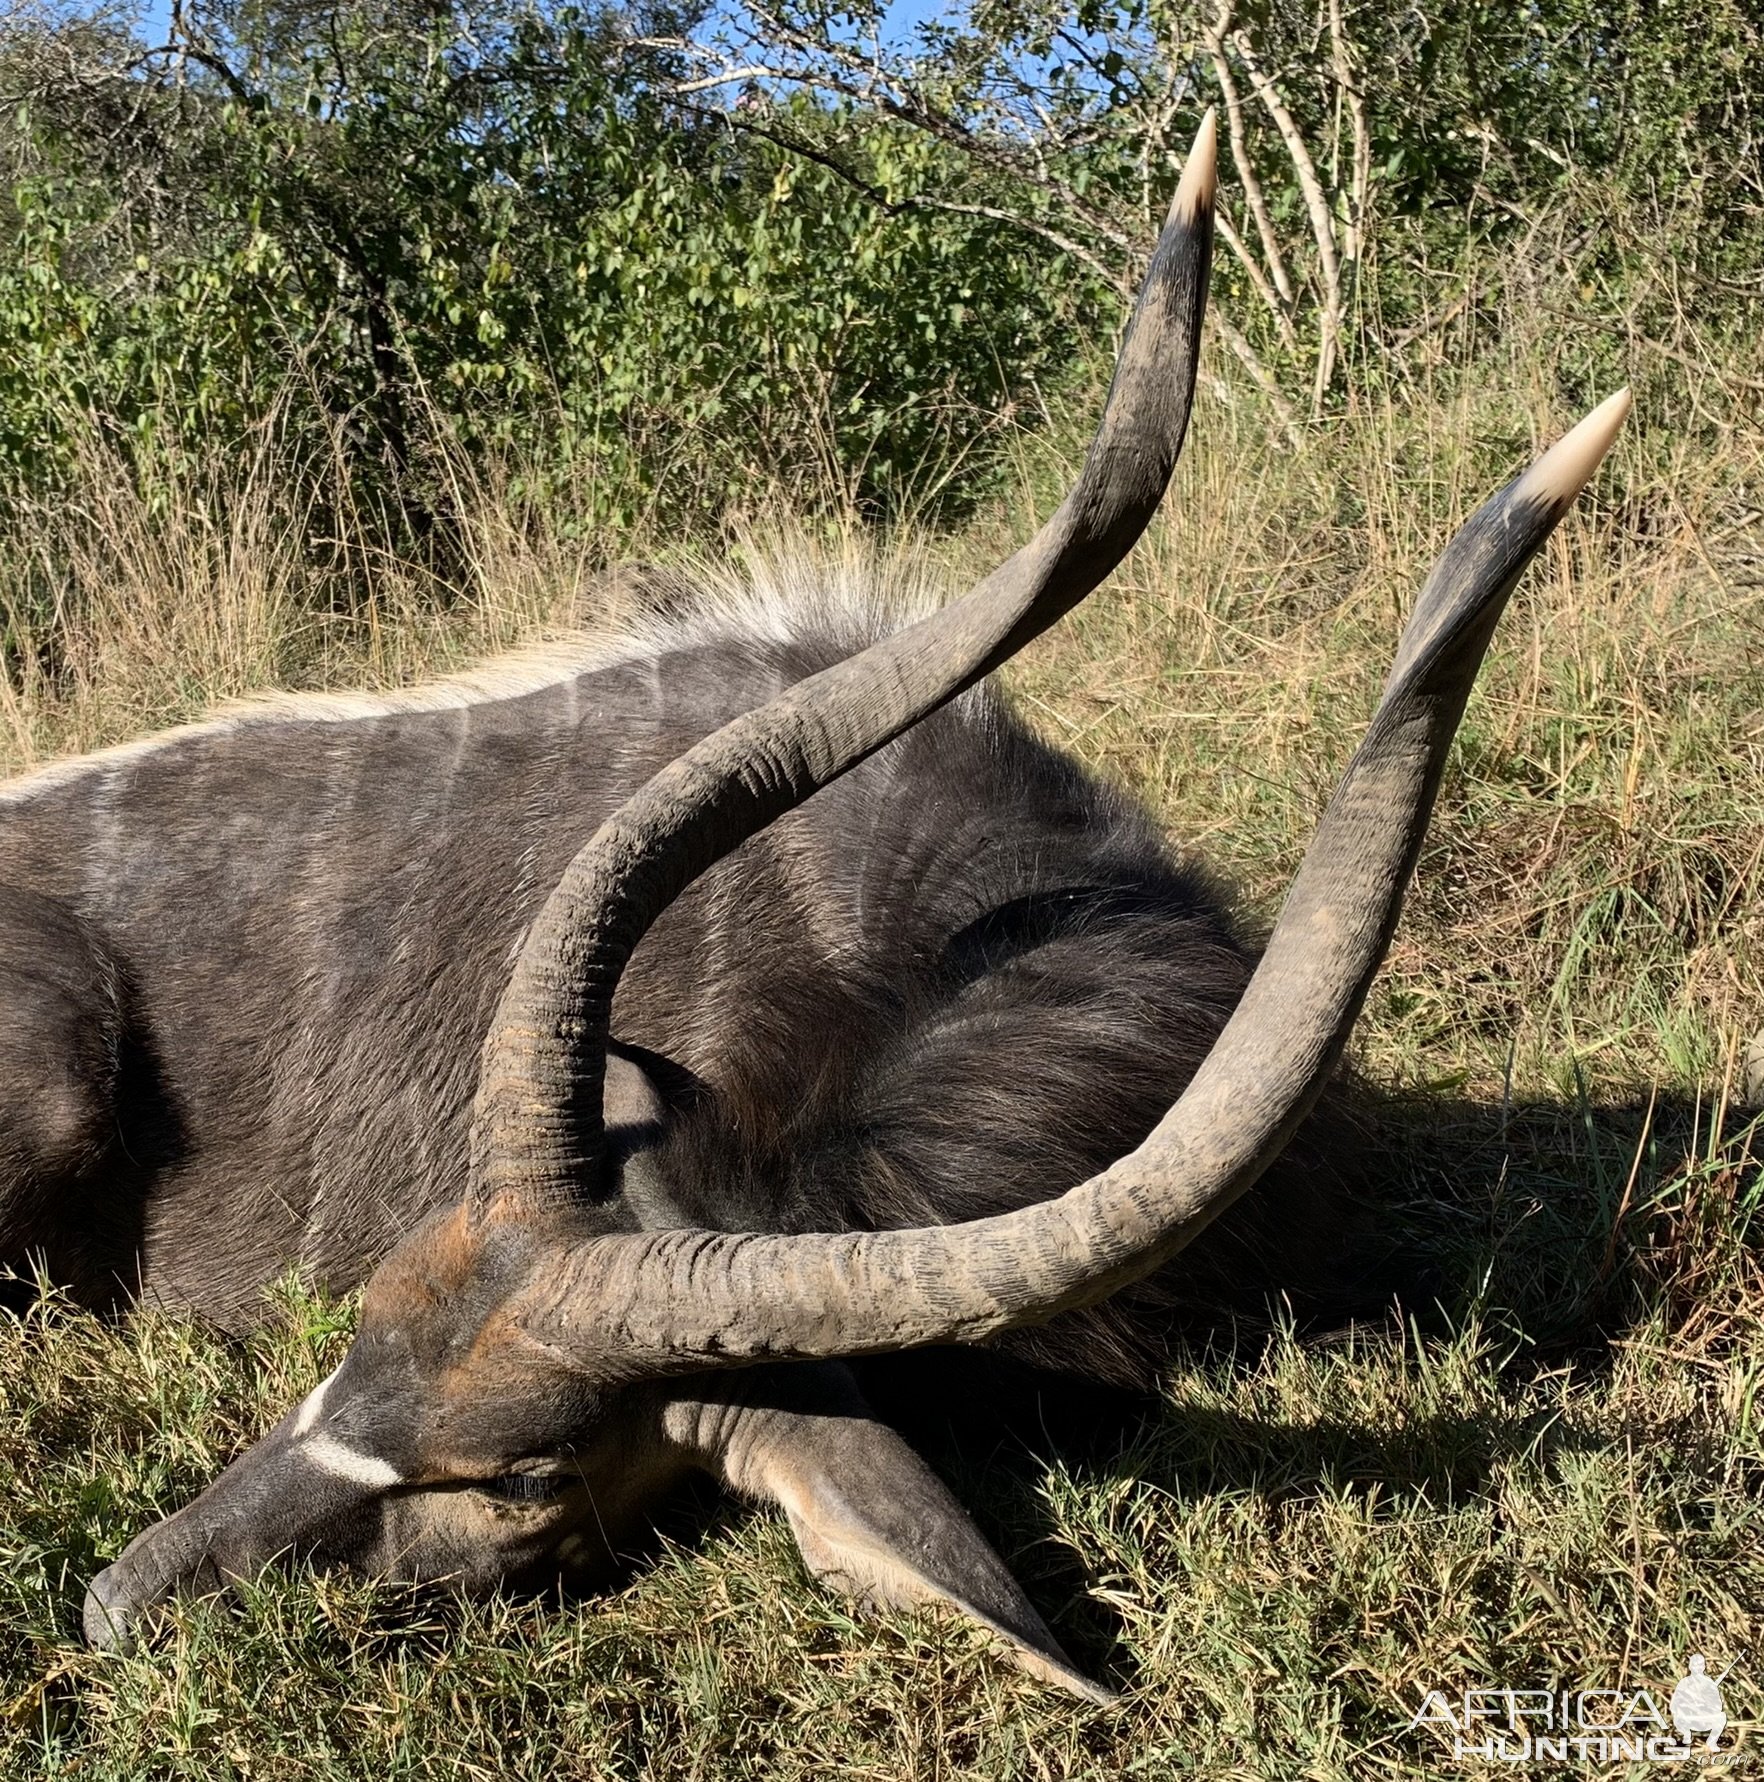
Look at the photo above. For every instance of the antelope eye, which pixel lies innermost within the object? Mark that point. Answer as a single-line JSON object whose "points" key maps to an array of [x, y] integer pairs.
{"points": [[525, 1488]]}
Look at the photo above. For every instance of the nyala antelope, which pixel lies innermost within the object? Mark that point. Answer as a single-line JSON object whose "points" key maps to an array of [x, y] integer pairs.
{"points": [[670, 1031]]}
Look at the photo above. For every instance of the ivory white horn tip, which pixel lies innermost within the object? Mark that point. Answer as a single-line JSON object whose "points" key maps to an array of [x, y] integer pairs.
{"points": [[1200, 173], [1566, 468]]}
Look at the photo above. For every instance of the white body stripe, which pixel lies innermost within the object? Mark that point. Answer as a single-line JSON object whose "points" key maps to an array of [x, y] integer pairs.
{"points": [[527, 671], [787, 588]]}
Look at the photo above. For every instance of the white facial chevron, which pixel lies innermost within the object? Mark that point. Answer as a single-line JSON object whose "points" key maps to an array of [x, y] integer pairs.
{"points": [[331, 1456], [313, 1404]]}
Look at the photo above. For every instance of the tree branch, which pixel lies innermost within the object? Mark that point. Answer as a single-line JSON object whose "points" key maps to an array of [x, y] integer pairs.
{"points": [[1316, 206], [1214, 41]]}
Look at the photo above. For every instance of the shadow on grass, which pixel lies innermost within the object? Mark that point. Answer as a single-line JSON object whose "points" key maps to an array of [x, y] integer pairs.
{"points": [[1556, 1228]]}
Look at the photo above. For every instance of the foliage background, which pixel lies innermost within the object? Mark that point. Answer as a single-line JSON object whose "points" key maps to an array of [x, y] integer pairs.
{"points": [[672, 254]]}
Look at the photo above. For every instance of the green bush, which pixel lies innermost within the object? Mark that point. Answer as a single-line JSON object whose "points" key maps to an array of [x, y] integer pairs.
{"points": [[403, 247]]}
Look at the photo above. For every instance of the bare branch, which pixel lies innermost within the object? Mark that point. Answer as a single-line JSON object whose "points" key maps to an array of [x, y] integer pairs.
{"points": [[1227, 232], [1112, 277], [733, 77], [1360, 179], [1029, 226], [1317, 208], [1263, 379], [1214, 40]]}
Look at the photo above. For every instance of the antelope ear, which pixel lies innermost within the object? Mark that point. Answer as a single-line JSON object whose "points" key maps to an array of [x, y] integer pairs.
{"points": [[870, 1517], [635, 1113], [631, 1104]]}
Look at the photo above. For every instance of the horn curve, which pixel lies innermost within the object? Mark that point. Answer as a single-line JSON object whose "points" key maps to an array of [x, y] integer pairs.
{"points": [[687, 1300], [536, 1122]]}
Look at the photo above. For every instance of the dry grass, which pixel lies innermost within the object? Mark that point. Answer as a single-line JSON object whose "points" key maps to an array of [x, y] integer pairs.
{"points": [[1557, 1485]]}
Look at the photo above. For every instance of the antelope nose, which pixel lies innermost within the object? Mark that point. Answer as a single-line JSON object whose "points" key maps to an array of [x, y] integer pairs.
{"points": [[111, 1613]]}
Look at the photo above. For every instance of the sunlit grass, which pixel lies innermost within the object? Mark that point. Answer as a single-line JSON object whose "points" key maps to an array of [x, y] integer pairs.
{"points": [[1558, 1484]]}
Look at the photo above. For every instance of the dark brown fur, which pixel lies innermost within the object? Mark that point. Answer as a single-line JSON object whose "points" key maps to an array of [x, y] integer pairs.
{"points": [[246, 974]]}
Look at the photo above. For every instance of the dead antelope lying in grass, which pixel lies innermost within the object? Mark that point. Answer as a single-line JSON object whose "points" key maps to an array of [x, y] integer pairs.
{"points": [[891, 1065]]}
